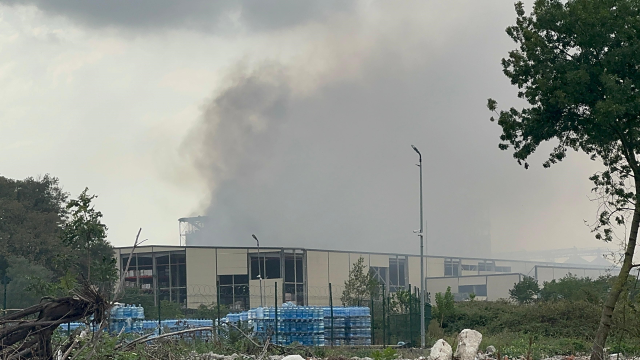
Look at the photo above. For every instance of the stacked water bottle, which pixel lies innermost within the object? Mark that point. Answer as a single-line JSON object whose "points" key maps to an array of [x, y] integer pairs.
{"points": [[126, 318], [296, 324], [358, 326], [336, 330]]}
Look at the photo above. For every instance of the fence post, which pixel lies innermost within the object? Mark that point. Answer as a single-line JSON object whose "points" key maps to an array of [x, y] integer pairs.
{"points": [[410, 318], [389, 316], [331, 311], [384, 321], [159, 309], [373, 332], [276, 311]]}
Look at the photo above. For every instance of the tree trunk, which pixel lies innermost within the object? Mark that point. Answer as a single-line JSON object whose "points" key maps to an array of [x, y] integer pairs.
{"points": [[597, 352]]}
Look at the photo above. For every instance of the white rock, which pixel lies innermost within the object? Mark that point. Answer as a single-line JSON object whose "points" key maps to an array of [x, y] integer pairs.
{"points": [[491, 350], [441, 350], [293, 357], [468, 344]]}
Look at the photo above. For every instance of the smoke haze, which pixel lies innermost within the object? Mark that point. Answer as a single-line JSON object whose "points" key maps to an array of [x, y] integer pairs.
{"points": [[291, 120]]}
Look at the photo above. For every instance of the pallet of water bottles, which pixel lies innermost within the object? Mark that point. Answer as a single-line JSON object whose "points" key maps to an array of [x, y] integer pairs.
{"points": [[350, 326], [358, 326], [295, 324]]}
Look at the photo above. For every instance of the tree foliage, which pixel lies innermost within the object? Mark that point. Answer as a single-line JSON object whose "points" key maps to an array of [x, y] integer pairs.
{"points": [[525, 291], [574, 288], [45, 239], [577, 65], [31, 212], [360, 286], [445, 305]]}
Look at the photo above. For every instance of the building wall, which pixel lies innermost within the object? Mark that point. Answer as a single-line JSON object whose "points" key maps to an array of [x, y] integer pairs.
{"points": [[232, 261], [317, 277], [338, 273], [201, 277], [498, 286], [204, 265]]}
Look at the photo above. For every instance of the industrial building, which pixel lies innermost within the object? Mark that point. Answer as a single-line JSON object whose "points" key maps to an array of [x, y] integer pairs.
{"points": [[244, 277]]}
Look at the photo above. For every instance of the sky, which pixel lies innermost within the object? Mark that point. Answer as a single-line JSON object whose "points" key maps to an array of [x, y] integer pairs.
{"points": [[289, 120]]}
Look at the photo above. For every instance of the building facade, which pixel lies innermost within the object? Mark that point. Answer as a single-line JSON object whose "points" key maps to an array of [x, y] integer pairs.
{"points": [[244, 277]]}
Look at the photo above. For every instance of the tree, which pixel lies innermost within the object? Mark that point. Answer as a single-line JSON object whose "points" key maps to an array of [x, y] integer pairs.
{"points": [[578, 67], [360, 286], [445, 305], [525, 290], [85, 233], [573, 288], [31, 212]]}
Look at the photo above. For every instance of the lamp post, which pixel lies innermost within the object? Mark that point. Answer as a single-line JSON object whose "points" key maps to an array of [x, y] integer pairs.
{"points": [[259, 267], [421, 234]]}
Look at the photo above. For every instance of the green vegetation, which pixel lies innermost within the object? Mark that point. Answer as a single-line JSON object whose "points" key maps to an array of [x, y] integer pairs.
{"points": [[577, 67], [559, 318], [445, 306], [50, 242], [525, 291], [360, 286]]}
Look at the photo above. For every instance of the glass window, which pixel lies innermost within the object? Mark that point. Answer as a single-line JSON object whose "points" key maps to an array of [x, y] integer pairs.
{"points": [[234, 291], [479, 290], [393, 272], [269, 267], [486, 266], [299, 271], [451, 267], [379, 273], [289, 270]]}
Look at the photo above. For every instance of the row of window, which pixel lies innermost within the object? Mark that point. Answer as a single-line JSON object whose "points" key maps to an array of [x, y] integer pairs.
{"points": [[166, 273], [452, 267]]}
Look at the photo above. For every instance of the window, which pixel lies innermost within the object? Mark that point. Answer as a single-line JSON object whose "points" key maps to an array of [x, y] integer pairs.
{"points": [[486, 266], [165, 273], [294, 276], [379, 273], [397, 280], [469, 267], [267, 264], [451, 267], [234, 291], [479, 290], [503, 269]]}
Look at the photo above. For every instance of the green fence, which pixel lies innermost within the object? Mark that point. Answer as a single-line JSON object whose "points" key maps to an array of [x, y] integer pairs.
{"points": [[395, 317]]}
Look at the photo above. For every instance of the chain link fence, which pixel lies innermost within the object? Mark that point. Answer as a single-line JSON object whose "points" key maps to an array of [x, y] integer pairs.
{"points": [[395, 317]]}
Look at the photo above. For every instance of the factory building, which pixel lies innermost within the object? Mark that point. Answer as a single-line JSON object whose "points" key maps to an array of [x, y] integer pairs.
{"points": [[244, 277]]}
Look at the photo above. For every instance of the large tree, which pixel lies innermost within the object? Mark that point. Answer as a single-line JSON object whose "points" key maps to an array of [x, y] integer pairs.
{"points": [[577, 64], [31, 212]]}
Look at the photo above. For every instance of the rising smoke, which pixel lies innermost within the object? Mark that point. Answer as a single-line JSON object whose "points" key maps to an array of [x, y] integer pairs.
{"points": [[327, 162]]}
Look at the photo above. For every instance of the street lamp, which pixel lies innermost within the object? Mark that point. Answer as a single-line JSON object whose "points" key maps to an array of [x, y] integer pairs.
{"points": [[259, 267], [421, 234]]}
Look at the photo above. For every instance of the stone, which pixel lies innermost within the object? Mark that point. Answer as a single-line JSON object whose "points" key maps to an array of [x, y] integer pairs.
{"points": [[441, 350], [468, 344], [293, 357], [491, 350]]}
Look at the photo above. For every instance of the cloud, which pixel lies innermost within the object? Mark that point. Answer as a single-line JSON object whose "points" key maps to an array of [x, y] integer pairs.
{"points": [[200, 15]]}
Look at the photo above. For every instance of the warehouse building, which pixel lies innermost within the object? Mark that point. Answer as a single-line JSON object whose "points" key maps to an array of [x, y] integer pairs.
{"points": [[244, 277]]}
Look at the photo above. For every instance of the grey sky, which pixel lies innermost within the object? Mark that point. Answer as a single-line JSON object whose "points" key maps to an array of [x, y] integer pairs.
{"points": [[193, 14], [298, 131]]}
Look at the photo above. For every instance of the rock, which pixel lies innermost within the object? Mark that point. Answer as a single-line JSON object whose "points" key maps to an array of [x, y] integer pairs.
{"points": [[468, 344], [491, 350], [293, 357], [441, 350], [275, 357]]}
